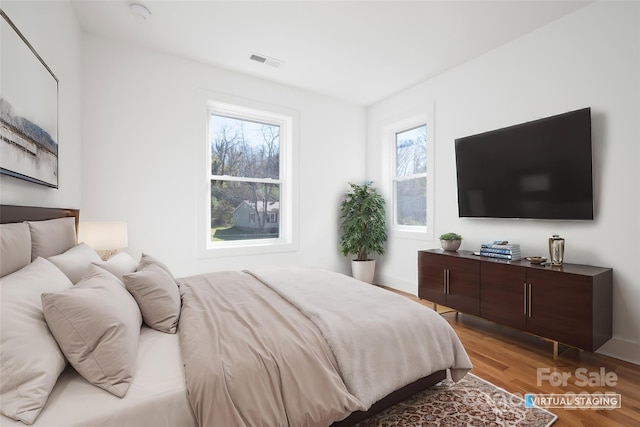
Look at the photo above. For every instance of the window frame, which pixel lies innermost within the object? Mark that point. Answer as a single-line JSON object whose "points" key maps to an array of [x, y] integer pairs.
{"points": [[287, 120], [389, 142]]}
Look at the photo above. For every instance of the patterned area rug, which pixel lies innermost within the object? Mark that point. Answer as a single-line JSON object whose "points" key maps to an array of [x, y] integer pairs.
{"points": [[471, 402]]}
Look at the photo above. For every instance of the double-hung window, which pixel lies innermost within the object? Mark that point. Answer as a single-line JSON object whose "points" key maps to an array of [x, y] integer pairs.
{"points": [[410, 180], [411, 176], [249, 179]]}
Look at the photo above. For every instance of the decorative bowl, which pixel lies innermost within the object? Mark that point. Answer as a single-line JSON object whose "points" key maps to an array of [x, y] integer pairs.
{"points": [[538, 260]]}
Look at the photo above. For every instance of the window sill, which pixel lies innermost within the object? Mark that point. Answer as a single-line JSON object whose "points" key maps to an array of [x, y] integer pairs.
{"points": [[232, 249], [410, 234]]}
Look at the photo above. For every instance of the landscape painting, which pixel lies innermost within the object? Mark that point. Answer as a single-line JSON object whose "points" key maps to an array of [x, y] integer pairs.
{"points": [[28, 110]]}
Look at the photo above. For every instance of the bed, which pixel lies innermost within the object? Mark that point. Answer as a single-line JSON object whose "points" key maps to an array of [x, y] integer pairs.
{"points": [[272, 347]]}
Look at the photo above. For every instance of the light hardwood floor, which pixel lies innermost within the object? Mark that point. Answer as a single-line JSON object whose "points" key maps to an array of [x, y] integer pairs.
{"points": [[510, 359]]}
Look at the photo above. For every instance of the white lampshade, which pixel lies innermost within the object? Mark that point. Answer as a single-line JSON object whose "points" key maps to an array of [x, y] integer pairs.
{"points": [[104, 235]]}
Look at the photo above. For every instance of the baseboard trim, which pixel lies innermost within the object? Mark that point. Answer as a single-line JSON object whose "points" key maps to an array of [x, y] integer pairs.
{"points": [[621, 349], [400, 285]]}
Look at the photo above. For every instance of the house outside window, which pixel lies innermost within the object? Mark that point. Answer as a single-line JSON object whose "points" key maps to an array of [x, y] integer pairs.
{"points": [[410, 144], [249, 180]]}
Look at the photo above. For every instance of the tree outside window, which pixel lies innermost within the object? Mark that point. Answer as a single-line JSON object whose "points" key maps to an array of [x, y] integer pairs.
{"points": [[410, 178], [245, 178]]}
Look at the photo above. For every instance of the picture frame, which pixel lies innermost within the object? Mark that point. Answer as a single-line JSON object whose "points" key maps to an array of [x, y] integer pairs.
{"points": [[28, 110]]}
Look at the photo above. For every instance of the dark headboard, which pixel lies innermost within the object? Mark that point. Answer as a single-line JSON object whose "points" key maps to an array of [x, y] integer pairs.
{"points": [[11, 213]]}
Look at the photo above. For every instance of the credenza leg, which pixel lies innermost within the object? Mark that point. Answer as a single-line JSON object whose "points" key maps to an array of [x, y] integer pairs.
{"points": [[557, 351]]}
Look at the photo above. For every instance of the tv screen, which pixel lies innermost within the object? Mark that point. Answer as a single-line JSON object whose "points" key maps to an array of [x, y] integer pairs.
{"points": [[539, 169]]}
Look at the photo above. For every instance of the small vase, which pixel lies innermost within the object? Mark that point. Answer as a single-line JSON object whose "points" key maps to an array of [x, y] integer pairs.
{"points": [[556, 249], [450, 245]]}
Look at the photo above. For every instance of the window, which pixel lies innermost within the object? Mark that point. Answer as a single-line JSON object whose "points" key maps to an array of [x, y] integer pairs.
{"points": [[410, 145], [410, 180], [272, 218], [248, 183]]}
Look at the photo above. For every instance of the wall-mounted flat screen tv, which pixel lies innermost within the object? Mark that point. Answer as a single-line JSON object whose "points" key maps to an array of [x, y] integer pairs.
{"points": [[537, 170]]}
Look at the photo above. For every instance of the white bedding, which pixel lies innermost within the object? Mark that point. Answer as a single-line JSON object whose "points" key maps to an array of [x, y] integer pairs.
{"points": [[157, 396]]}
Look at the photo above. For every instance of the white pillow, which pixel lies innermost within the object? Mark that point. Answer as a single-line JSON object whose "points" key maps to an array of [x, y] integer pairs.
{"points": [[157, 295], [119, 264], [76, 261], [52, 237], [30, 360], [15, 247], [97, 325]]}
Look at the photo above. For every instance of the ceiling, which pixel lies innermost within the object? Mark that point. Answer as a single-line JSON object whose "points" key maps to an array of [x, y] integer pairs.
{"points": [[357, 51]]}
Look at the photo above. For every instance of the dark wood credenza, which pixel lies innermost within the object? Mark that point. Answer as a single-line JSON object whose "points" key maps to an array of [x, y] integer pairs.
{"points": [[569, 304]]}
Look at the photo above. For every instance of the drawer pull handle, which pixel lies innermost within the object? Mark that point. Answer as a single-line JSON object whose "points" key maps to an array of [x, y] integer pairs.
{"points": [[444, 281], [448, 273], [529, 299], [524, 297]]}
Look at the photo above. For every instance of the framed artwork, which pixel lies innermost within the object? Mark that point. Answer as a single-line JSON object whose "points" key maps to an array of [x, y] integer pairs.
{"points": [[28, 110]]}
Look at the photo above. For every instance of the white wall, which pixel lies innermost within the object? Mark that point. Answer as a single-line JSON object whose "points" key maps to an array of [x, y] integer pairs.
{"points": [[128, 133], [143, 135], [589, 58], [53, 31]]}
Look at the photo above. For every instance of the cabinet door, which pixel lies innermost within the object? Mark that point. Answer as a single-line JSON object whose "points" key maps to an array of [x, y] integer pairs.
{"points": [[561, 307], [503, 294], [431, 278], [463, 285]]}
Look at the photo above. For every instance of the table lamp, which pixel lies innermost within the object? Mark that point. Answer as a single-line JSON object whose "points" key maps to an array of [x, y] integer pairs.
{"points": [[104, 237]]}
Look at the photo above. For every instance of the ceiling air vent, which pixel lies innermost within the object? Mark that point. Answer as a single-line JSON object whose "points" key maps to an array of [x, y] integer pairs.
{"points": [[266, 60]]}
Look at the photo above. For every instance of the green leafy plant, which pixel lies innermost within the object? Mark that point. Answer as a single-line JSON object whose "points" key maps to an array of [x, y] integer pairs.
{"points": [[363, 223], [450, 236]]}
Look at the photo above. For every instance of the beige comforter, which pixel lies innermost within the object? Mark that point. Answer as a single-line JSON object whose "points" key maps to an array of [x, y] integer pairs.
{"points": [[303, 347], [382, 341], [252, 359]]}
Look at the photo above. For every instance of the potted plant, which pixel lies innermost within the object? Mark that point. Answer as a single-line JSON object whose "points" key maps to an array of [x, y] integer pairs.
{"points": [[450, 241], [363, 228]]}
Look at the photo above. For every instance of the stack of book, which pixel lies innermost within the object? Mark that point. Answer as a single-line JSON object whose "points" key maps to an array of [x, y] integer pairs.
{"points": [[501, 250]]}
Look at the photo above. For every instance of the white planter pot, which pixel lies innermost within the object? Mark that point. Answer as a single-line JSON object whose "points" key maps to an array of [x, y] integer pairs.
{"points": [[363, 270], [450, 245]]}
